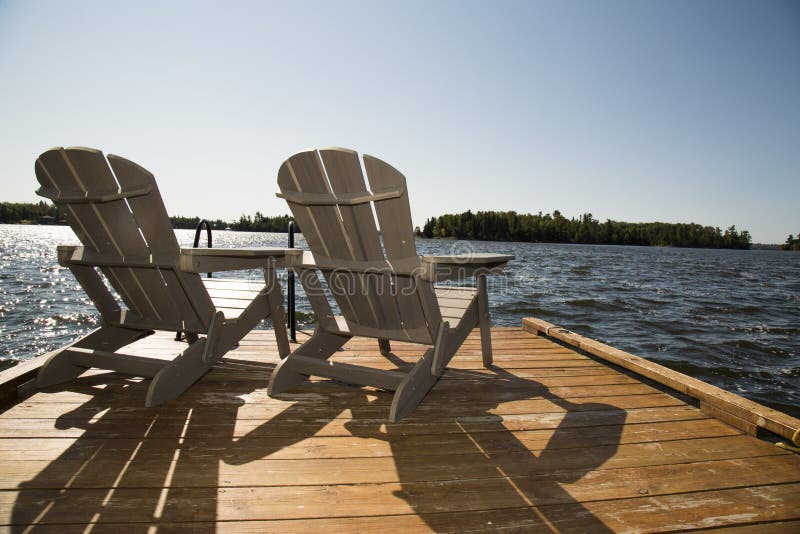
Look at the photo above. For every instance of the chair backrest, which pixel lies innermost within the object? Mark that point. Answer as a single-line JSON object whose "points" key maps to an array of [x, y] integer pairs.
{"points": [[375, 281], [116, 210]]}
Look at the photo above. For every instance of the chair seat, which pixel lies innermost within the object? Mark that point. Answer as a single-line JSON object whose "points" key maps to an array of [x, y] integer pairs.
{"points": [[230, 295], [454, 301]]}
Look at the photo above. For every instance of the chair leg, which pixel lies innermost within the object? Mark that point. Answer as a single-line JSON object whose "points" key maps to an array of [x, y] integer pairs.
{"points": [[267, 305], [419, 381], [413, 388], [385, 346], [277, 316], [59, 366], [484, 321], [289, 374], [178, 375], [211, 350]]}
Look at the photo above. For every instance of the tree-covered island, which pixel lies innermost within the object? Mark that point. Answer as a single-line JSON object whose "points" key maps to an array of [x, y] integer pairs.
{"points": [[245, 223], [792, 243], [555, 228]]}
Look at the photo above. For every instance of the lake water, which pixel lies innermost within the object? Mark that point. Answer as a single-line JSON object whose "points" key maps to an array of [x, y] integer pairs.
{"points": [[731, 318]]}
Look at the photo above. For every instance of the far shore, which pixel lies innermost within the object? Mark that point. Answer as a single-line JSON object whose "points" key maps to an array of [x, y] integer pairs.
{"points": [[754, 246]]}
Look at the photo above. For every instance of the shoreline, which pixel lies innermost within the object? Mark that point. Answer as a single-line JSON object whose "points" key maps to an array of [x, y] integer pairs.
{"points": [[754, 246]]}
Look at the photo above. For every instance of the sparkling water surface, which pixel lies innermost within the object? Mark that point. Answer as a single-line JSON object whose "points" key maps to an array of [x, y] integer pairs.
{"points": [[731, 318]]}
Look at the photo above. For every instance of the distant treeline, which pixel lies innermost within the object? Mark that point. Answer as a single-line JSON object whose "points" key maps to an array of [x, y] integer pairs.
{"points": [[46, 213], [791, 243], [483, 225], [190, 223], [245, 223], [259, 223], [555, 228], [17, 212]]}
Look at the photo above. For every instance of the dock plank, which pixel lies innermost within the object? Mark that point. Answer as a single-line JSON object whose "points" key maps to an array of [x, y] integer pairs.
{"points": [[138, 505], [272, 471], [549, 438]]}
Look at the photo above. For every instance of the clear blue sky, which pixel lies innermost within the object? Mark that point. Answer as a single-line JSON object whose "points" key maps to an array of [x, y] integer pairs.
{"points": [[679, 111]]}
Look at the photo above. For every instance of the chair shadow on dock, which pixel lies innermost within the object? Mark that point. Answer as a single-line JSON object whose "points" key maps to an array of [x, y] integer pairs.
{"points": [[457, 465], [134, 467], [469, 470]]}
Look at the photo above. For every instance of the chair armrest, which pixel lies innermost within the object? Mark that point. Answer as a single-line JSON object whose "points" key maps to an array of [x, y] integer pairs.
{"points": [[457, 267], [304, 259], [434, 268], [65, 252], [301, 259], [200, 260], [484, 259]]}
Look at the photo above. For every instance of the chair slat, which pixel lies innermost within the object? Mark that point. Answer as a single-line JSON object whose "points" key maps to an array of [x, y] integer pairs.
{"points": [[415, 297], [55, 171], [151, 217], [322, 226], [394, 215], [145, 286], [52, 173], [344, 173]]}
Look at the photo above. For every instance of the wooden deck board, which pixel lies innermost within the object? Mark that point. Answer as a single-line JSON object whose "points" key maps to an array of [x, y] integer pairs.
{"points": [[550, 439]]}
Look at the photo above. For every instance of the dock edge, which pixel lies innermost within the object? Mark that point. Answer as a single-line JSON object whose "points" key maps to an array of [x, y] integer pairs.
{"points": [[728, 407]]}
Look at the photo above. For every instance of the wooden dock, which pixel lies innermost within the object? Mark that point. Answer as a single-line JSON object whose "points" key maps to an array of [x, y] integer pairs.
{"points": [[551, 439]]}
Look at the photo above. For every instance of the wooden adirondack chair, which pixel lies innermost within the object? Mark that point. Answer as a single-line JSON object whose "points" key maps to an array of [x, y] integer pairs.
{"points": [[116, 210], [383, 289]]}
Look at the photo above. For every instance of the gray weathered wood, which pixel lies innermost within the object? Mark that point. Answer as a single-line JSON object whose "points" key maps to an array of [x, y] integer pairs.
{"points": [[116, 210], [484, 320], [387, 290], [413, 388], [440, 356], [344, 173], [60, 367], [354, 374], [174, 378], [122, 363], [322, 225], [288, 373], [394, 216]]}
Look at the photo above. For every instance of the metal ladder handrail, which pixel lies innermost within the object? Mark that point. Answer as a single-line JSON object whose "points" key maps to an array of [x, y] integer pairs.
{"points": [[290, 290], [197, 230]]}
